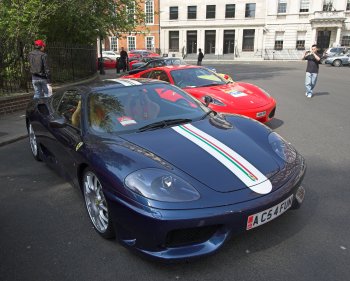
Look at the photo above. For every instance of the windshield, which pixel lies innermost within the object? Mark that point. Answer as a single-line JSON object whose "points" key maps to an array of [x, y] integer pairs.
{"points": [[196, 77], [129, 109]]}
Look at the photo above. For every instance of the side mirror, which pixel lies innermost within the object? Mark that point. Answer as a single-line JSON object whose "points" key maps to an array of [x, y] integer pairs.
{"points": [[59, 122], [207, 100]]}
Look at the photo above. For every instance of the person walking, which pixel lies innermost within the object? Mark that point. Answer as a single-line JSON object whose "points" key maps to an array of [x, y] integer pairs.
{"points": [[200, 57], [313, 60], [123, 60], [39, 68]]}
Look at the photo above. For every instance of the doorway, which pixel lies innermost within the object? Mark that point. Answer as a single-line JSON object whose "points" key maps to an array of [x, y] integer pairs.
{"points": [[323, 39], [229, 41], [191, 42], [210, 41]]}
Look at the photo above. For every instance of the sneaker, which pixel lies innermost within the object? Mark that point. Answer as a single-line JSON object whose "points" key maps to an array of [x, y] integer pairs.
{"points": [[309, 96], [306, 94]]}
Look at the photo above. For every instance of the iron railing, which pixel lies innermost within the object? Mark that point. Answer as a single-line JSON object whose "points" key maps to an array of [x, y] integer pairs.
{"points": [[67, 62]]}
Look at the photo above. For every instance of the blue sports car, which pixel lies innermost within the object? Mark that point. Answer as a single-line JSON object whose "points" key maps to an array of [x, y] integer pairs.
{"points": [[159, 170]]}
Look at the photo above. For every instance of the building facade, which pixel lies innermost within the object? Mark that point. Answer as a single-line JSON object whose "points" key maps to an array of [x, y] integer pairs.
{"points": [[252, 28], [145, 37]]}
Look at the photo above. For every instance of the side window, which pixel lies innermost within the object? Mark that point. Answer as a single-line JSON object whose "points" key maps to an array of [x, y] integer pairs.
{"points": [[150, 65], [146, 75], [160, 75], [70, 107]]}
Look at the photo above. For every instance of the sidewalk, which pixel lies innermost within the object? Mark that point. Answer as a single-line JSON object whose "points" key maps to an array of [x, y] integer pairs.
{"points": [[13, 127]]}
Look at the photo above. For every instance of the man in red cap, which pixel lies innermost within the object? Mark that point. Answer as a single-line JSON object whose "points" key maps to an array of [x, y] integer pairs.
{"points": [[39, 68]]}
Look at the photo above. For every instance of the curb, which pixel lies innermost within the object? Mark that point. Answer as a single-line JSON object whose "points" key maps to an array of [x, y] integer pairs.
{"points": [[13, 140]]}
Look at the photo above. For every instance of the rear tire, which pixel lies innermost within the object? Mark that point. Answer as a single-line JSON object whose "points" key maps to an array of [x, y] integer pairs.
{"points": [[96, 205], [337, 63]]}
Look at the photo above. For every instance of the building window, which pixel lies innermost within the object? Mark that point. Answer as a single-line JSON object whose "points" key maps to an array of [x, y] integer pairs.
{"points": [[282, 6], [149, 11], [131, 43], [345, 41], [300, 45], [174, 13], [211, 11], [279, 41], [328, 5], [250, 10], [150, 43], [278, 45], [248, 40], [348, 6], [114, 43], [304, 6], [130, 10], [173, 41], [230, 11], [192, 12]]}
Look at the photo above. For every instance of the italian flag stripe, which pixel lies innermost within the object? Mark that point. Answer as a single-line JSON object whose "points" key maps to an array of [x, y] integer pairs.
{"points": [[239, 166]]}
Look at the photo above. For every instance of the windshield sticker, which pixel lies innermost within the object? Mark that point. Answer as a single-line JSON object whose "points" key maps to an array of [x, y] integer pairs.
{"points": [[239, 166], [126, 121]]}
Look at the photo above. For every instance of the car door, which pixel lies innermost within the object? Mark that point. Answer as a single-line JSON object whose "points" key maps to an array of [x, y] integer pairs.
{"points": [[65, 140]]}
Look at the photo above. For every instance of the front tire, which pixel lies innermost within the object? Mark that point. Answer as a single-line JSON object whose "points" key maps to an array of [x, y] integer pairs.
{"points": [[337, 63], [33, 143], [96, 205]]}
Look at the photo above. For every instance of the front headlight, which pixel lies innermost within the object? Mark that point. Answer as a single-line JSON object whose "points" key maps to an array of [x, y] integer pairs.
{"points": [[161, 185], [282, 148]]}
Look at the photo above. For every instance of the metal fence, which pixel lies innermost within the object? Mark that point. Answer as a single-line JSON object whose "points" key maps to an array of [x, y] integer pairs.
{"points": [[67, 62]]}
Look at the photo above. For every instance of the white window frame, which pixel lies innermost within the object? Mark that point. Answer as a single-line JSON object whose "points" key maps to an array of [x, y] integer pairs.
{"points": [[304, 5], [279, 6], [149, 12], [152, 43], [130, 39], [114, 43]]}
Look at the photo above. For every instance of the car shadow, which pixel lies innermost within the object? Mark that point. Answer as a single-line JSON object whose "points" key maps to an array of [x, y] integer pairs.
{"points": [[274, 123]]}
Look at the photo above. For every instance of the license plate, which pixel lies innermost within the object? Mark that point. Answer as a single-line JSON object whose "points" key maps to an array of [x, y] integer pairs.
{"points": [[261, 114], [269, 214]]}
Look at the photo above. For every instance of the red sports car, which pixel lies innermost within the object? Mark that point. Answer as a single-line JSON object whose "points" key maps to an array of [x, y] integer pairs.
{"points": [[228, 97]]}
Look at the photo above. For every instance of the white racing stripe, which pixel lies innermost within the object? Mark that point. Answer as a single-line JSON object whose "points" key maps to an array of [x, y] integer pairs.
{"points": [[239, 166], [125, 82]]}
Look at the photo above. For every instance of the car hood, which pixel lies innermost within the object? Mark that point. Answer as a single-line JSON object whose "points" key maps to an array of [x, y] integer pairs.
{"points": [[219, 158], [240, 94]]}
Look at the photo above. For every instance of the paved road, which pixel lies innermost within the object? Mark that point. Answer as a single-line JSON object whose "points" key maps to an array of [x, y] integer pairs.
{"points": [[45, 233]]}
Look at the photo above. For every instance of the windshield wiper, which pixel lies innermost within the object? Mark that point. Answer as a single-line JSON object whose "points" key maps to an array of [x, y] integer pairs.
{"points": [[164, 124]]}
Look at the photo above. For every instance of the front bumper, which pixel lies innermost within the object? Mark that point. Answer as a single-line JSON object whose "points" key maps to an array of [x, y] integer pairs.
{"points": [[185, 234]]}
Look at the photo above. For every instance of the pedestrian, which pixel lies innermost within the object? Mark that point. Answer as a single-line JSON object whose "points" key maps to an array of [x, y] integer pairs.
{"points": [[200, 57], [313, 58], [39, 68], [123, 60]]}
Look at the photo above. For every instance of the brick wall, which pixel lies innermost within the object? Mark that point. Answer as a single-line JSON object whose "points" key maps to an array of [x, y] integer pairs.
{"points": [[13, 103]]}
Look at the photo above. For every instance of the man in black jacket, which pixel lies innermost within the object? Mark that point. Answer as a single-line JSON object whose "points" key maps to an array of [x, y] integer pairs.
{"points": [[39, 68]]}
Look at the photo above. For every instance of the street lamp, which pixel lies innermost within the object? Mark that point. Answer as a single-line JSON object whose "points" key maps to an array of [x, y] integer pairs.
{"points": [[102, 71]]}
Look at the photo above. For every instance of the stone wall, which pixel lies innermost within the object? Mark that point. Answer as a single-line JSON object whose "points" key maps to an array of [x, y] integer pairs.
{"points": [[13, 103]]}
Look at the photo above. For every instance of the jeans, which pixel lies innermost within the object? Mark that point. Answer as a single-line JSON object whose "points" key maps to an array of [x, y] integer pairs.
{"points": [[310, 82], [40, 88]]}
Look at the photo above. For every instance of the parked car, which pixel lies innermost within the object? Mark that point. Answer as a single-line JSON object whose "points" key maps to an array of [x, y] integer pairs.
{"points": [[173, 180], [338, 60], [142, 53], [229, 97], [107, 63], [330, 52], [152, 62], [110, 54]]}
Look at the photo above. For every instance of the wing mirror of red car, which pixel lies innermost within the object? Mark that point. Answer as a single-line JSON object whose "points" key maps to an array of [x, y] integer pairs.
{"points": [[207, 100]]}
